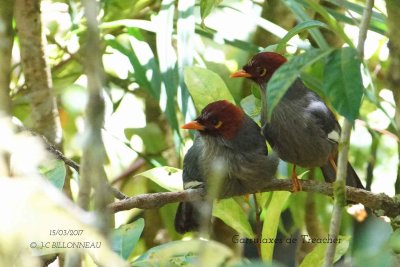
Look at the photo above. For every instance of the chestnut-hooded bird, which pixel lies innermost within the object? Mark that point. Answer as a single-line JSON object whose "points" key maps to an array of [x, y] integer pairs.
{"points": [[229, 146], [302, 129]]}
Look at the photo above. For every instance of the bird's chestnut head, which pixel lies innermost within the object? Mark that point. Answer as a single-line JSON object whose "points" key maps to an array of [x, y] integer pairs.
{"points": [[261, 67], [220, 118]]}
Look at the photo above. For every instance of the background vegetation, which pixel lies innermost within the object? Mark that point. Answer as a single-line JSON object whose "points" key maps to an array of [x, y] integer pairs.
{"points": [[108, 86]]}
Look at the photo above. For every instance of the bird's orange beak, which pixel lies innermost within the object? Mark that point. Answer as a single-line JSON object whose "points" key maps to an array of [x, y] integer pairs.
{"points": [[241, 73], [193, 125]]}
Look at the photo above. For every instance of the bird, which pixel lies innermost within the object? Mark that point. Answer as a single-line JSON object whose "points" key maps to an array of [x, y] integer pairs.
{"points": [[302, 129], [227, 143]]}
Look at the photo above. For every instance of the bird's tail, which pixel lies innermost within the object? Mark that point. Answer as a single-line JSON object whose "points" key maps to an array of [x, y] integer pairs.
{"points": [[188, 217], [352, 178]]}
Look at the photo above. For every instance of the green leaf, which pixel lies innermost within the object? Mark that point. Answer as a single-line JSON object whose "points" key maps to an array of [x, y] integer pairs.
{"points": [[316, 257], [129, 23], [301, 14], [271, 222], [167, 62], [125, 238], [167, 177], [332, 22], [55, 173], [284, 77], [394, 241], [343, 83], [186, 253], [252, 107], [205, 87], [149, 134], [305, 25], [229, 211], [64, 75], [206, 6]]}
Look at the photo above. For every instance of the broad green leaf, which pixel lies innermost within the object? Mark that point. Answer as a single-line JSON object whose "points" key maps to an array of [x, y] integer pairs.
{"points": [[149, 134], [394, 241], [186, 253], [271, 222], [141, 58], [332, 22], [147, 61], [125, 238], [252, 107], [375, 25], [64, 75], [378, 20], [167, 62], [55, 173], [343, 83], [129, 23], [229, 211], [206, 6], [316, 257], [205, 86], [288, 73], [167, 177], [301, 14], [305, 25]]}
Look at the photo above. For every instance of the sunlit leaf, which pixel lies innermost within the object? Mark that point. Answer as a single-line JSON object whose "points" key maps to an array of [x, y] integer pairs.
{"points": [[229, 211], [167, 62], [125, 238], [205, 87], [271, 222], [343, 83], [66, 73], [301, 14], [305, 25], [288, 73], [206, 6], [167, 177], [252, 107], [316, 257], [55, 173], [333, 23]]}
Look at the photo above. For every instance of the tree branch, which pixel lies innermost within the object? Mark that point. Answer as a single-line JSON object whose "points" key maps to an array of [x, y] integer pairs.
{"points": [[6, 44], [44, 113], [386, 205]]}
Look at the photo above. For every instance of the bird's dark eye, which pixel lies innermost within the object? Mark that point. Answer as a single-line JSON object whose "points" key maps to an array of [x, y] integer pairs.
{"points": [[261, 71], [214, 121]]}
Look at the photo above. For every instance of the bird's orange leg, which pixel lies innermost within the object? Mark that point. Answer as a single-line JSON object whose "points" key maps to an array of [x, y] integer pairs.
{"points": [[333, 163], [296, 186]]}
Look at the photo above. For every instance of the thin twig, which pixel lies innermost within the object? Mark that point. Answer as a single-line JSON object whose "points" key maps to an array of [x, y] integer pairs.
{"points": [[344, 150]]}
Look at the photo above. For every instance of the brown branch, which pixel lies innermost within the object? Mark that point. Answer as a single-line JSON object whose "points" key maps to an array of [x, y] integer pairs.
{"points": [[381, 202], [44, 114], [6, 44]]}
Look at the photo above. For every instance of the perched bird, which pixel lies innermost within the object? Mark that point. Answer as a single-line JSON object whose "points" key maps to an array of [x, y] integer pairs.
{"points": [[229, 146], [302, 129]]}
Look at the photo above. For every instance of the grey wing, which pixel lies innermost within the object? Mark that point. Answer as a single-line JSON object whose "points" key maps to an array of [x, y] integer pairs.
{"points": [[192, 175], [324, 118]]}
